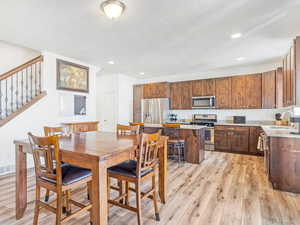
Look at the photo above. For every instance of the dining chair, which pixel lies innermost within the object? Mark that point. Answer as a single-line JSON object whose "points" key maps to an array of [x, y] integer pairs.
{"points": [[52, 131], [137, 172], [176, 145], [61, 179], [127, 130]]}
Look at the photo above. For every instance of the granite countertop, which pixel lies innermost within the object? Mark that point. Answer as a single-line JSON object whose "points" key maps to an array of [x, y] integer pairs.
{"points": [[191, 127], [280, 131], [248, 123]]}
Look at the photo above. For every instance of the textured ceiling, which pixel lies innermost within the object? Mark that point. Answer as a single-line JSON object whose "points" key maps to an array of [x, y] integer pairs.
{"points": [[168, 37]]}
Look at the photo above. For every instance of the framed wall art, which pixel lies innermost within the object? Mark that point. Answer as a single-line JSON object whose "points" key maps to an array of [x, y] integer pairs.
{"points": [[72, 77]]}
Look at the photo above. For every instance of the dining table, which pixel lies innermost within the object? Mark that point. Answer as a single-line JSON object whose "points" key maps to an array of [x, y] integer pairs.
{"points": [[96, 151]]}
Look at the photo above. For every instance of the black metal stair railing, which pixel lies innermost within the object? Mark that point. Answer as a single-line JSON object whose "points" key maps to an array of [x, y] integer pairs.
{"points": [[19, 86]]}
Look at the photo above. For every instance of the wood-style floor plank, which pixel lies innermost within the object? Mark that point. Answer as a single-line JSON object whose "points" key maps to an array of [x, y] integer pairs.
{"points": [[226, 189]]}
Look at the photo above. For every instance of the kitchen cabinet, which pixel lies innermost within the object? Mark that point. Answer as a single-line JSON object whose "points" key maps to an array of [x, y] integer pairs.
{"points": [[269, 90], [156, 90], [279, 87], [238, 94], [181, 95], [137, 103], [254, 133], [223, 93], [203, 87], [232, 139], [253, 91]]}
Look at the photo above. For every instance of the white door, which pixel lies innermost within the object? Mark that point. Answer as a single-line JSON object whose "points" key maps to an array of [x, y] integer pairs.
{"points": [[106, 111]]}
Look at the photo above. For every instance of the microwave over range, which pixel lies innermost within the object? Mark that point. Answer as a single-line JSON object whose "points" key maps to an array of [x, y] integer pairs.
{"points": [[203, 102]]}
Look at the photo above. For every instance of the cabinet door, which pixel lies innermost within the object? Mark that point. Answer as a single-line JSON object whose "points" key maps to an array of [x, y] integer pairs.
{"points": [[293, 76], [269, 90], [238, 87], [239, 139], [208, 87], [279, 87], [288, 80], [197, 88], [222, 138], [223, 93], [137, 103], [156, 90], [175, 97], [254, 133], [253, 91], [185, 95]]}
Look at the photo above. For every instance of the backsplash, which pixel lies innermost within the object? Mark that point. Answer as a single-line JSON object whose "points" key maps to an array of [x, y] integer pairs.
{"points": [[251, 114]]}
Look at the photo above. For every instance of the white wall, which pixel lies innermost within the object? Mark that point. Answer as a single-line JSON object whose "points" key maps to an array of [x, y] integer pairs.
{"points": [[114, 100], [45, 112], [12, 56]]}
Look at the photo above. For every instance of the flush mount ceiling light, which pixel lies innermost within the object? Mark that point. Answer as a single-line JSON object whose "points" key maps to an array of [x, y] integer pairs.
{"points": [[113, 8], [236, 35], [240, 58]]}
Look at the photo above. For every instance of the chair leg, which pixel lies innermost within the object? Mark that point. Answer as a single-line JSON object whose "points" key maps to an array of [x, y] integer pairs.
{"points": [[37, 205], [138, 202], [47, 195], [108, 193], [127, 199], [68, 204], [121, 189], [154, 184], [59, 205]]}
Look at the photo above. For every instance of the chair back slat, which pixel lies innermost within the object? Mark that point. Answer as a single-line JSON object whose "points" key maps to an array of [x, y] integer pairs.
{"points": [[46, 155], [147, 155], [127, 130], [52, 131]]}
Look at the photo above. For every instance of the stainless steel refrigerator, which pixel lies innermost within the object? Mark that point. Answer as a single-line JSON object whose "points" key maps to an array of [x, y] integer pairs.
{"points": [[155, 110]]}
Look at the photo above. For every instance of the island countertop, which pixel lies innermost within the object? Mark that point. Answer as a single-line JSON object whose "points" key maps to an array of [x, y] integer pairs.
{"points": [[182, 126]]}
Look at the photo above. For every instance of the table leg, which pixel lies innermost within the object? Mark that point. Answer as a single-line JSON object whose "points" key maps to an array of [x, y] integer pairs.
{"points": [[163, 172], [99, 194], [21, 182]]}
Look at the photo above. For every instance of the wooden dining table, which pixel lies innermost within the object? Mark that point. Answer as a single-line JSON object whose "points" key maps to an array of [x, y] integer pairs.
{"points": [[96, 151]]}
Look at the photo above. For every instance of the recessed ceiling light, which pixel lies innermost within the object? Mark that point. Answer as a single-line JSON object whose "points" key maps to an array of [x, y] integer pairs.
{"points": [[111, 62], [240, 58], [142, 73], [236, 35]]}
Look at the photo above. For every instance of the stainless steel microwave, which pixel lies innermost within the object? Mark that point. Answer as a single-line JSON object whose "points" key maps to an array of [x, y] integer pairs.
{"points": [[203, 102]]}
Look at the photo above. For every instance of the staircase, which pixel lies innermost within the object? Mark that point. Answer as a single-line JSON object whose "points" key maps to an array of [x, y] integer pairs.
{"points": [[20, 88]]}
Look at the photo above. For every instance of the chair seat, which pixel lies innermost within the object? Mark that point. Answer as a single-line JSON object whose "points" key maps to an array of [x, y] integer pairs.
{"points": [[176, 140], [71, 174], [128, 169]]}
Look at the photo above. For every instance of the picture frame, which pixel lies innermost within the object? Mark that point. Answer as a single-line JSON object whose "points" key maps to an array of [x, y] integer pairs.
{"points": [[72, 77]]}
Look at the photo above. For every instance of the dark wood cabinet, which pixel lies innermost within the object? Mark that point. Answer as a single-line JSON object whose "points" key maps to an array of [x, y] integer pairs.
{"points": [[137, 103], [233, 139], [279, 87], [223, 93], [156, 90], [269, 90], [253, 91], [181, 95], [238, 95], [203, 87], [254, 133]]}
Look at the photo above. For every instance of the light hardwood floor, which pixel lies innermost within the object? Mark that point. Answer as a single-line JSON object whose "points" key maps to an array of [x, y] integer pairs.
{"points": [[226, 189]]}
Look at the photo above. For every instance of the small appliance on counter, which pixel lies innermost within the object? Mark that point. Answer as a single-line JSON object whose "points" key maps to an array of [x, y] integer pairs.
{"points": [[173, 117], [296, 121], [239, 119], [278, 120]]}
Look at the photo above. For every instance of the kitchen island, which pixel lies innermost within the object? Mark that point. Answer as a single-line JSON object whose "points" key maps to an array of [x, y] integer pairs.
{"points": [[282, 157], [194, 137]]}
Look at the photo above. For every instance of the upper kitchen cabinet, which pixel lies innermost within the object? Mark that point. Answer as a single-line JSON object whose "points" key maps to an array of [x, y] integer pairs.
{"points": [[269, 90], [291, 75], [156, 90], [238, 94], [137, 103], [279, 87], [181, 95], [203, 87], [223, 93], [253, 91]]}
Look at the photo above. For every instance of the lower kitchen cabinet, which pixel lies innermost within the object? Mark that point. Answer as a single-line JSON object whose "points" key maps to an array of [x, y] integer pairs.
{"points": [[240, 139]]}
